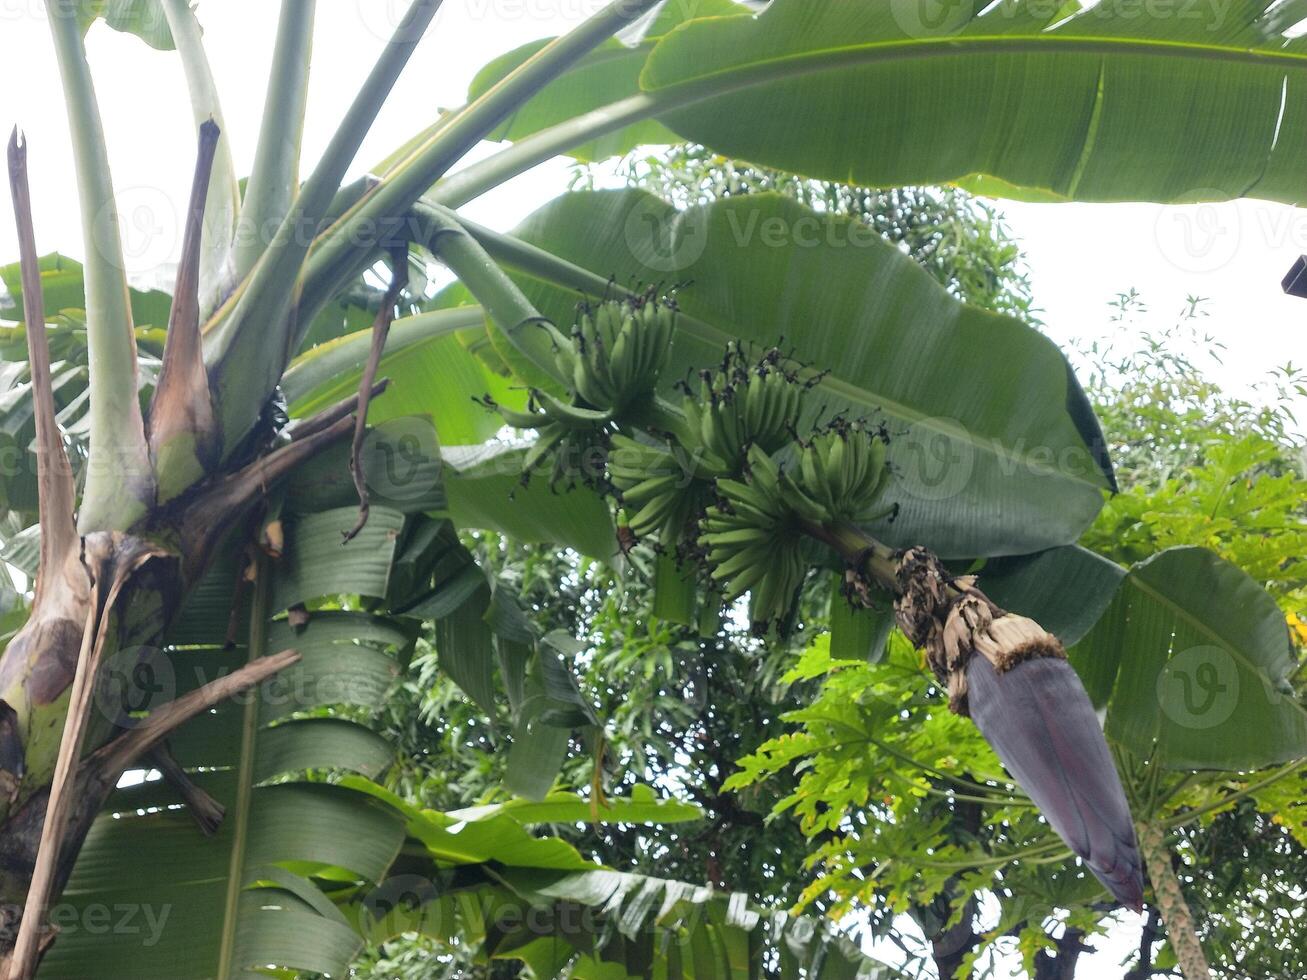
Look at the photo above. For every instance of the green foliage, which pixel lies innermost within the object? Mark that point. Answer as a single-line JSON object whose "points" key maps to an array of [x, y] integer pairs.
{"points": [[1198, 465], [959, 239], [926, 827], [765, 271], [670, 702], [1043, 101], [864, 94]]}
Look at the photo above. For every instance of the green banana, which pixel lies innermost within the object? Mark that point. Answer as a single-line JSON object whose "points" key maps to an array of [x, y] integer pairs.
{"points": [[745, 404], [750, 540], [841, 475], [622, 347], [571, 416]]}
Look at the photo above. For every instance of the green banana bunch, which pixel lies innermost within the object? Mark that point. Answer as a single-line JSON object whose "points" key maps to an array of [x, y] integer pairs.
{"points": [[743, 405], [618, 350], [660, 498], [841, 474], [751, 543], [566, 433]]}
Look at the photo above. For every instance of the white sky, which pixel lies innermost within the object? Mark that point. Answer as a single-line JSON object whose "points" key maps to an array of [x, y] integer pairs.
{"points": [[1080, 256]]}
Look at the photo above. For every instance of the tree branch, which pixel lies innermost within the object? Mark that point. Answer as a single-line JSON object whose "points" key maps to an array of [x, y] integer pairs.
{"points": [[110, 762], [348, 405], [204, 809], [380, 329], [208, 517]]}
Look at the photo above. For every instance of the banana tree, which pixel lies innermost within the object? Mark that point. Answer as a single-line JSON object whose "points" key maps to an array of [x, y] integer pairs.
{"points": [[250, 492]]}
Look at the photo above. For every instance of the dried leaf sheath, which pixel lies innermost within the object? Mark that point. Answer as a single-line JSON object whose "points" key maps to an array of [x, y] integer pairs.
{"points": [[55, 488], [38, 664], [182, 434]]}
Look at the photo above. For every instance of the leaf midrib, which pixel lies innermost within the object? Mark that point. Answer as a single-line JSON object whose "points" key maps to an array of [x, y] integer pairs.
{"points": [[244, 786], [732, 78]]}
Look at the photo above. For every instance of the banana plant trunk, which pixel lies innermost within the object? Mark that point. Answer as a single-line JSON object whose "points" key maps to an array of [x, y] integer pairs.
{"points": [[111, 591]]}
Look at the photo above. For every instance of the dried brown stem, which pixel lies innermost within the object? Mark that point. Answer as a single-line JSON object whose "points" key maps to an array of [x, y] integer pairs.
{"points": [[210, 515], [203, 808], [182, 404], [380, 330], [334, 413], [113, 759], [101, 771], [945, 615], [55, 490]]}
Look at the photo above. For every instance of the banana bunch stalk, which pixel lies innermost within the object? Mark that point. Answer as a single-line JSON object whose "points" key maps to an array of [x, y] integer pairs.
{"points": [[841, 475], [752, 543], [565, 432], [744, 405], [618, 350], [660, 497]]}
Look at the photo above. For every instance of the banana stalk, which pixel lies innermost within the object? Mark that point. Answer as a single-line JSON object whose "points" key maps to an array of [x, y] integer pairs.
{"points": [[1171, 904]]}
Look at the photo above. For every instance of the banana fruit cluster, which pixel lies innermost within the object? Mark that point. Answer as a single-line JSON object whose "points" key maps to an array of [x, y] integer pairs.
{"points": [[743, 405], [752, 543], [618, 350], [660, 498], [841, 475]]}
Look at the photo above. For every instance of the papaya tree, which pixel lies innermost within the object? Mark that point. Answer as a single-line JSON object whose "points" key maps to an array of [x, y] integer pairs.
{"points": [[260, 492]]}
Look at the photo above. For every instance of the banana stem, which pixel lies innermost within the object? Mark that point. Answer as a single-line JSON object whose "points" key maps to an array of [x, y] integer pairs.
{"points": [[409, 179], [253, 335], [507, 305], [859, 550], [1171, 903], [119, 483], [223, 203], [274, 179]]}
